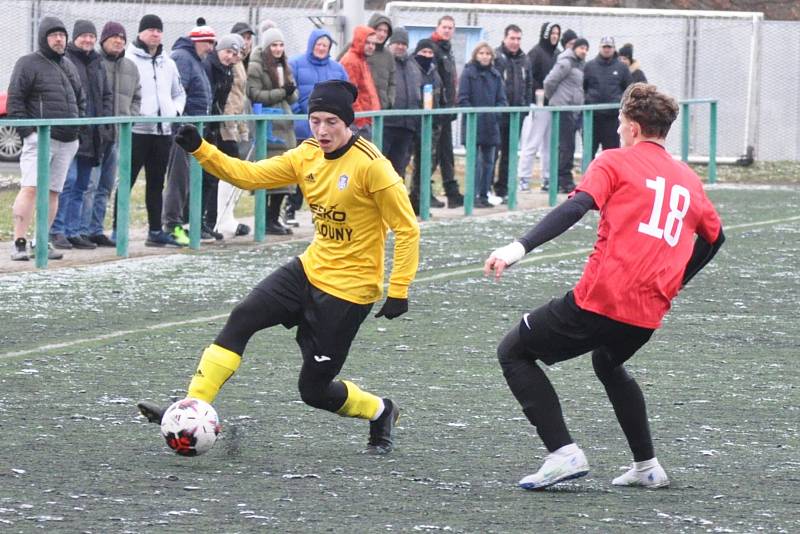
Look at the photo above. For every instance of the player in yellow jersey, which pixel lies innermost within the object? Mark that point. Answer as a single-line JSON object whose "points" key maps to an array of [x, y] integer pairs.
{"points": [[355, 197]]}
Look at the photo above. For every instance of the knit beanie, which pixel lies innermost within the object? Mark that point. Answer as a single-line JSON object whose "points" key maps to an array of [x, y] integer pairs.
{"points": [[568, 36], [334, 96], [399, 35], [151, 22], [270, 36], [111, 29], [83, 26], [627, 51], [266, 24], [232, 41], [424, 43], [580, 41], [202, 32]]}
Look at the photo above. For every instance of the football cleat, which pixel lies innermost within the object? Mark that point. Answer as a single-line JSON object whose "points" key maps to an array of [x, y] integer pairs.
{"points": [[152, 411], [557, 467], [650, 477], [381, 431]]}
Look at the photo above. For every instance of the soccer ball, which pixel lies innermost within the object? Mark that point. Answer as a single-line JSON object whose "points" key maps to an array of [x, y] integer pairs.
{"points": [[190, 427]]}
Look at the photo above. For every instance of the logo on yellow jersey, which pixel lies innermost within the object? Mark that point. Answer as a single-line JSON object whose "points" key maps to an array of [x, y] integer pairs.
{"points": [[343, 179], [310, 178]]}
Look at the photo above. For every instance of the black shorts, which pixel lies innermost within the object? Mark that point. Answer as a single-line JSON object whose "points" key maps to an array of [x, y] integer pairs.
{"points": [[560, 330], [326, 325]]}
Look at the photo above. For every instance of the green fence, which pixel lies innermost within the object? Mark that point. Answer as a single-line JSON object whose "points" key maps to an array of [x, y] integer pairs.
{"points": [[196, 175]]}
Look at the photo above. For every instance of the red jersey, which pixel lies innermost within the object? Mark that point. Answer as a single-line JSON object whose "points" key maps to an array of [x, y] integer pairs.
{"points": [[651, 207]]}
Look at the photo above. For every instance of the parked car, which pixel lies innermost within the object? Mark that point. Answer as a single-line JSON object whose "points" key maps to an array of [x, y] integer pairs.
{"points": [[10, 141]]}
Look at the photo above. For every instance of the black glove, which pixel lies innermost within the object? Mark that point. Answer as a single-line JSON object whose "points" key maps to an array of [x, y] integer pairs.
{"points": [[290, 88], [393, 308], [188, 138]]}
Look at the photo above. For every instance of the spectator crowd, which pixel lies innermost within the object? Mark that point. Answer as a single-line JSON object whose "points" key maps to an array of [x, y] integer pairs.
{"points": [[205, 73]]}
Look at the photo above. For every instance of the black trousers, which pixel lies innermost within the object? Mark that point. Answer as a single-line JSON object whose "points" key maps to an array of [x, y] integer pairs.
{"points": [[568, 125], [152, 153], [397, 147], [604, 132], [501, 182], [445, 158]]}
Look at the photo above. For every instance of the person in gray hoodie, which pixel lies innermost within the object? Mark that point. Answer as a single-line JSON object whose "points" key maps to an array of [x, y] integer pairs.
{"points": [[563, 86], [381, 62]]}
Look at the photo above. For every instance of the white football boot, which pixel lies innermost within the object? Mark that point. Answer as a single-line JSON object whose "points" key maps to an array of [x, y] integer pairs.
{"points": [[648, 474], [566, 463]]}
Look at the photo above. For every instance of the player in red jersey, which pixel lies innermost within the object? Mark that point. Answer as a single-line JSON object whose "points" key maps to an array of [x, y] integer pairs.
{"points": [[651, 208]]}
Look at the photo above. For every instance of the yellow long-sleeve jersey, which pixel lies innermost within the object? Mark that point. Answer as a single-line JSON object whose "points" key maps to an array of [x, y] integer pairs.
{"points": [[354, 196]]}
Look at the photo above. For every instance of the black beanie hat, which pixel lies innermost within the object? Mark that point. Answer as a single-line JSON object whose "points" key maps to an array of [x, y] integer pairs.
{"points": [[334, 96], [627, 51], [567, 37], [425, 43], [580, 41], [151, 22]]}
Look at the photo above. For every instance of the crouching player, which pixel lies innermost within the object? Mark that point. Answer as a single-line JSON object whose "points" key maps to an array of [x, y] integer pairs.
{"points": [[355, 196], [651, 207]]}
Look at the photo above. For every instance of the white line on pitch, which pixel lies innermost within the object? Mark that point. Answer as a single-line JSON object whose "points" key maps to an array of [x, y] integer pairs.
{"points": [[422, 279]]}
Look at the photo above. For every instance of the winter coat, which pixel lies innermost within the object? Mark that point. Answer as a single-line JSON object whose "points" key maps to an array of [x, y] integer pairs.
{"points": [[604, 81], [162, 92], [564, 85], [482, 86], [220, 77], [543, 56], [308, 70], [46, 85], [431, 76], [637, 74], [99, 102], [355, 63], [408, 95], [126, 87], [515, 70], [381, 64], [446, 64], [193, 77], [235, 105]]}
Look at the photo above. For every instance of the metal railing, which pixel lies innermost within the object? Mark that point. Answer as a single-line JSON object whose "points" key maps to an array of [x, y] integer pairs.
{"points": [[196, 174]]}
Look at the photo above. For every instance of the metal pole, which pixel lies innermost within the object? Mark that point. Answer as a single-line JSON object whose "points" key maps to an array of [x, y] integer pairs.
{"points": [[124, 190], [425, 153], [42, 196], [588, 139], [259, 226], [555, 131], [513, 146], [712, 144], [685, 132], [195, 198], [469, 178], [377, 132]]}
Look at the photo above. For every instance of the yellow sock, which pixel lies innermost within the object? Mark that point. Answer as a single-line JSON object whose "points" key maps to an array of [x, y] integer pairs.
{"points": [[359, 403], [215, 368]]}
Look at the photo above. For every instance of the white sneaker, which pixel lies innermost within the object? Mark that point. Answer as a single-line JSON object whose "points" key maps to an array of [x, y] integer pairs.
{"points": [[648, 474], [558, 466]]}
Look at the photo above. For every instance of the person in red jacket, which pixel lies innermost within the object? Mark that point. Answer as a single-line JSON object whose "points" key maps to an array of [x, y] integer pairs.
{"points": [[355, 63]]}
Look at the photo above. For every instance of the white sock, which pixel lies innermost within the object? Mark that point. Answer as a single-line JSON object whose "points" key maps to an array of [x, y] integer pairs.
{"points": [[566, 450], [381, 407], [647, 464]]}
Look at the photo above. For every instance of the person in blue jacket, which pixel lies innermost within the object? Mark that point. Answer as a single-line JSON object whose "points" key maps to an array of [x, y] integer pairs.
{"points": [[481, 85], [314, 66]]}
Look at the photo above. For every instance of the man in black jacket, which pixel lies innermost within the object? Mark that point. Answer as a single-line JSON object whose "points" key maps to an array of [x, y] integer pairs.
{"points": [[44, 85], [515, 69], [65, 231], [605, 78], [536, 126]]}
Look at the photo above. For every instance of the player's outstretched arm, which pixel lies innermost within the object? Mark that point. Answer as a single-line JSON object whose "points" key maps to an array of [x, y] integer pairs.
{"points": [[553, 225], [268, 173]]}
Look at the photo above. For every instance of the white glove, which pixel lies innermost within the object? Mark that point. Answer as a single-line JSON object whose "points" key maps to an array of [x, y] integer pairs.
{"points": [[510, 254]]}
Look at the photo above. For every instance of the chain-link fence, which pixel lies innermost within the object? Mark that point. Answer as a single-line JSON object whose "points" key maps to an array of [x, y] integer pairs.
{"points": [[736, 57]]}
